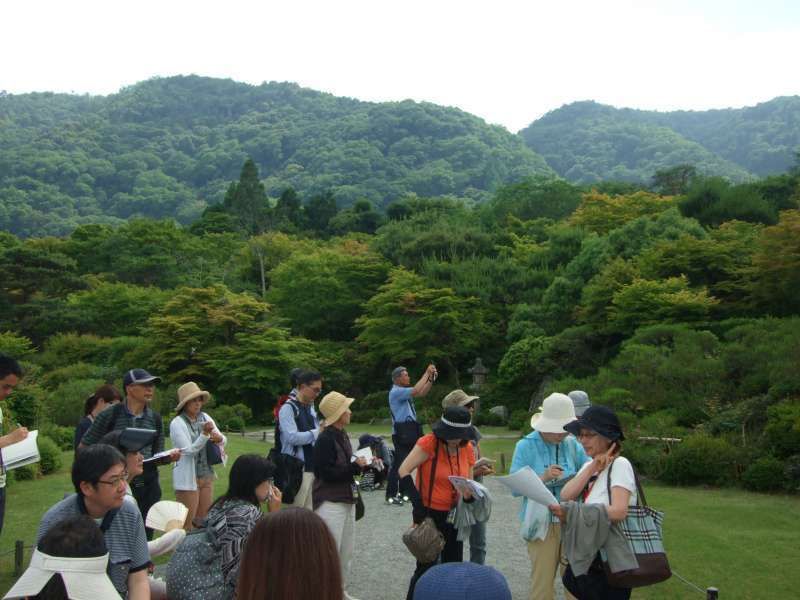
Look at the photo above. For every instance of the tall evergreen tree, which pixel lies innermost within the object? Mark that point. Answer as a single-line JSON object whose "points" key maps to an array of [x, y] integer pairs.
{"points": [[247, 201]]}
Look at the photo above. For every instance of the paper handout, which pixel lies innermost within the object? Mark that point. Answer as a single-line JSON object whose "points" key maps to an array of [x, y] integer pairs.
{"points": [[527, 483], [162, 454], [462, 483], [22, 453], [365, 453]]}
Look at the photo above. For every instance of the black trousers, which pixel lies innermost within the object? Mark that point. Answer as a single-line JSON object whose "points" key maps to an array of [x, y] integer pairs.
{"points": [[401, 451], [147, 491], [453, 550], [593, 585]]}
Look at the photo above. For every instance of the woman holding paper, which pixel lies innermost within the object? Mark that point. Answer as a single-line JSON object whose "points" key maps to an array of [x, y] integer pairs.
{"points": [[191, 430], [437, 456], [555, 457]]}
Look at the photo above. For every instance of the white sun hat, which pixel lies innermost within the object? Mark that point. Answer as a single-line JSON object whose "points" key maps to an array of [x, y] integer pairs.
{"points": [[557, 410], [84, 578]]}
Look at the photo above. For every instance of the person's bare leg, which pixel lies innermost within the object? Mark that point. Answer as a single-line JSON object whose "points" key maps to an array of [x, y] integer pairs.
{"points": [[189, 499], [205, 489]]}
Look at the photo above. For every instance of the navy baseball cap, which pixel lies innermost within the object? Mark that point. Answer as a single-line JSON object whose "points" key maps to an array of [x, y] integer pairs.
{"points": [[599, 419], [138, 377]]}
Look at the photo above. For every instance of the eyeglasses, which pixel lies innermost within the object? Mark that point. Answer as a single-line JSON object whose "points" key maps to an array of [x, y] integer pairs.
{"points": [[116, 481], [587, 434]]}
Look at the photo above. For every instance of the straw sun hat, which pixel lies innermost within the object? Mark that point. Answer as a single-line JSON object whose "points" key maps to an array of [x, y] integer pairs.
{"points": [[557, 410], [333, 406], [189, 391]]}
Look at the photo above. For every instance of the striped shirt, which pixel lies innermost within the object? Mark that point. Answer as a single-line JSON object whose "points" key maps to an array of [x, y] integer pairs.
{"points": [[116, 419], [123, 530]]}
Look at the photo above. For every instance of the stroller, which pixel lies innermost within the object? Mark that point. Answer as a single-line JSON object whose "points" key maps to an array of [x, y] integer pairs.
{"points": [[373, 476]]}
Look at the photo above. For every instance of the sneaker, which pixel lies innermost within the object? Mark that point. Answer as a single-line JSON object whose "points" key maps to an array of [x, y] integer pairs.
{"points": [[349, 597]]}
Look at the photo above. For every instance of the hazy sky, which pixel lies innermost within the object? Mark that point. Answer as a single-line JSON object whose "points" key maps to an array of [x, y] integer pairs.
{"points": [[508, 62]]}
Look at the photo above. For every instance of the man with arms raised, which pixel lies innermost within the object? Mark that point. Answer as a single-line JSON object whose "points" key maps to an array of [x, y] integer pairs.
{"points": [[406, 429], [99, 478]]}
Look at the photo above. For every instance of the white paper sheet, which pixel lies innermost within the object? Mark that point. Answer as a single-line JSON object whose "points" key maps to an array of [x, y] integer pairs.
{"points": [[527, 483], [462, 483], [365, 453], [22, 453]]}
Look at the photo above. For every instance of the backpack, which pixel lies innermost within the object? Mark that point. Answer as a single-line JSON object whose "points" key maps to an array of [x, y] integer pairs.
{"points": [[195, 570]]}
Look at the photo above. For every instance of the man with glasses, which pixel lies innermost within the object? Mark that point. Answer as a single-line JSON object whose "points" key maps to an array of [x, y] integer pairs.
{"points": [[99, 478], [135, 412], [299, 429]]}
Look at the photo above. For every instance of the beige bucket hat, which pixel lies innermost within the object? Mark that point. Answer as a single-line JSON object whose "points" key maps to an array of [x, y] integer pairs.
{"points": [[557, 410], [333, 405], [457, 398], [189, 391]]}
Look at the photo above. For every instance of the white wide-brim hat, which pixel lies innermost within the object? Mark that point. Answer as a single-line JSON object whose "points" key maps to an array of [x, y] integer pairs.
{"points": [[557, 410], [84, 578]]}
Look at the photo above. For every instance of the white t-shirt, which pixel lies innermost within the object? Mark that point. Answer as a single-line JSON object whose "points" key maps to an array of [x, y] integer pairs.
{"points": [[621, 476]]}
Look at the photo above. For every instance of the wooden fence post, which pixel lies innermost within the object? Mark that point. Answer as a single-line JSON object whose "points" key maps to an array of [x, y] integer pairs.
{"points": [[19, 553], [502, 462], [712, 593], [263, 436]]}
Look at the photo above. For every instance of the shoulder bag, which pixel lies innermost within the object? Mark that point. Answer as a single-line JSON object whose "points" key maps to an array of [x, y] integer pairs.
{"points": [[213, 452], [406, 432], [425, 541], [642, 529]]}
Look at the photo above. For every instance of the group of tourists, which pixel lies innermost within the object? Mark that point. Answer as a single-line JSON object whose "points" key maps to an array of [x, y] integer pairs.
{"points": [[309, 485]]}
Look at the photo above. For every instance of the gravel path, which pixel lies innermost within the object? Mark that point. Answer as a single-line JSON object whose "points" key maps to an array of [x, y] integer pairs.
{"points": [[382, 566]]}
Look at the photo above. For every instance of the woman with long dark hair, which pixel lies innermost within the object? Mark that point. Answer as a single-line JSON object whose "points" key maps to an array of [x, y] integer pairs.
{"points": [[436, 456], [290, 554], [250, 485], [103, 397]]}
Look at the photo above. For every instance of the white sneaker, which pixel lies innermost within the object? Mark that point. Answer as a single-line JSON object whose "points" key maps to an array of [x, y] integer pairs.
{"points": [[349, 597]]}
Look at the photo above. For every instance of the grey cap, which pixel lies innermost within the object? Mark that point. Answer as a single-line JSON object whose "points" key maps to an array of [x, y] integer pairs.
{"points": [[397, 371], [580, 400]]}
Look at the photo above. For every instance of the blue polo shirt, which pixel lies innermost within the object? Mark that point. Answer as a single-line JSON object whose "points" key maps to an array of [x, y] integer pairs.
{"points": [[401, 403]]}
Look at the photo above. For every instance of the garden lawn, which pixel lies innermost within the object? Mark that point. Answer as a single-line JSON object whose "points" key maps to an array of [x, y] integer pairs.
{"points": [[743, 543]]}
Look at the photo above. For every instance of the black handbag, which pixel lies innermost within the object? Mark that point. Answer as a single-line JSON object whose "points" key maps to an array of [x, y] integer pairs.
{"points": [[642, 529], [213, 454], [288, 474]]}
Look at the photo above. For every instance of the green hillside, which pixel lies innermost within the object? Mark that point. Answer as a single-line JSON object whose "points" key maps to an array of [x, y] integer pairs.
{"points": [[587, 142], [169, 147]]}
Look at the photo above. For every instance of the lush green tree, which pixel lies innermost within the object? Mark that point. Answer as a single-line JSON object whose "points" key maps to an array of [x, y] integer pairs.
{"points": [[247, 201], [775, 274], [360, 218], [601, 213], [319, 211], [195, 324], [407, 322], [536, 197], [321, 293], [673, 181]]}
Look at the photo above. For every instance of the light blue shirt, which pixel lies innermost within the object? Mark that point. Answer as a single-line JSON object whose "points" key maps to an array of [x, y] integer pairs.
{"points": [[534, 452], [401, 403], [293, 440]]}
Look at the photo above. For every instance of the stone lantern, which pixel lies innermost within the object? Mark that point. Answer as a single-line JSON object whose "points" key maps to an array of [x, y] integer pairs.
{"points": [[479, 372]]}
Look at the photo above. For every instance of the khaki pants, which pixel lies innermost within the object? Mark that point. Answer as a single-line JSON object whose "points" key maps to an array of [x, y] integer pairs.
{"points": [[545, 556], [303, 498]]}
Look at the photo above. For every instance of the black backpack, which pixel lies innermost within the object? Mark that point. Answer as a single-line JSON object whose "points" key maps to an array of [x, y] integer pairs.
{"points": [[288, 469]]}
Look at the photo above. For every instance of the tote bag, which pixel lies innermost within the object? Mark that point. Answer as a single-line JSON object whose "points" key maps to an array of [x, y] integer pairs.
{"points": [[642, 529]]}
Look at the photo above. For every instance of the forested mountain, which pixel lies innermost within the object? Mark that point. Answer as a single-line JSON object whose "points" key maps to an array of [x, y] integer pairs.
{"points": [[169, 148], [587, 142]]}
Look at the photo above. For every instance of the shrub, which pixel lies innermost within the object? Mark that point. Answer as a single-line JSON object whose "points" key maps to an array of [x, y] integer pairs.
{"points": [[50, 455], [764, 475], [792, 472], [519, 419], [223, 415], [701, 459], [25, 473], [25, 404], [236, 423], [64, 437], [648, 458], [782, 431], [243, 412], [486, 419], [65, 404]]}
